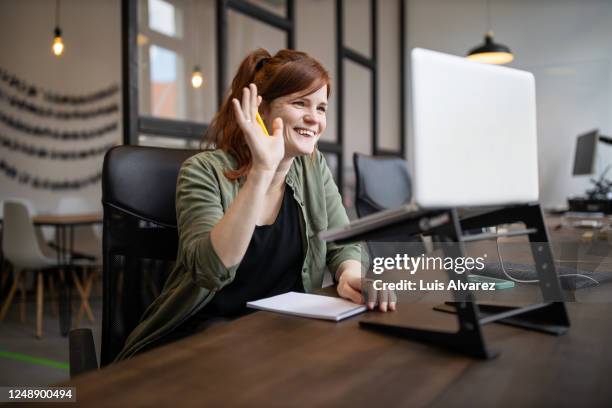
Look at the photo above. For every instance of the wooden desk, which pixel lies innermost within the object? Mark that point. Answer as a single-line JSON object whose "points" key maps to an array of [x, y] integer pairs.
{"points": [[269, 359]]}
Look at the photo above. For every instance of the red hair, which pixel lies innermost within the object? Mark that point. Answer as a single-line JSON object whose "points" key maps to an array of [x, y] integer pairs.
{"points": [[285, 73]]}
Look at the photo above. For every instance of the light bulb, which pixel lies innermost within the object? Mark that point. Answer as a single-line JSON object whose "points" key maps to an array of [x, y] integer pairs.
{"points": [[498, 58], [58, 45], [142, 39], [196, 77]]}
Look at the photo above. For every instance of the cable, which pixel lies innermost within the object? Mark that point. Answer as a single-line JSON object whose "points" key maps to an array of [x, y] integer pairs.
{"points": [[501, 262]]}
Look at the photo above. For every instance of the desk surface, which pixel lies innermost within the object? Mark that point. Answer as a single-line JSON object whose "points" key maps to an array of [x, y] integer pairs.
{"points": [[266, 358], [271, 359]]}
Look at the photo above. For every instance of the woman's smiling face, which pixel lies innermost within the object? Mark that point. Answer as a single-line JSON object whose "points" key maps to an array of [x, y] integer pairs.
{"points": [[304, 119]]}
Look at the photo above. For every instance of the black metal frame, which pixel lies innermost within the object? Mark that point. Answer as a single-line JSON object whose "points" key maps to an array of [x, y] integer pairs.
{"points": [[447, 228], [129, 69], [134, 124], [343, 52], [402, 51], [176, 128], [286, 24]]}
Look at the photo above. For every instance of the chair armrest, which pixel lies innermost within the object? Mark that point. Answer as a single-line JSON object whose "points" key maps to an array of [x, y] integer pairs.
{"points": [[82, 352]]}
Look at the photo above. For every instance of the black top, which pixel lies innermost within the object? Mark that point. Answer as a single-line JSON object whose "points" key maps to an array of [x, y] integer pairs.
{"points": [[272, 264]]}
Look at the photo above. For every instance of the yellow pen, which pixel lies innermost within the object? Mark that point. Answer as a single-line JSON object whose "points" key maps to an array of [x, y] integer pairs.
{"points": [[261, 123]]}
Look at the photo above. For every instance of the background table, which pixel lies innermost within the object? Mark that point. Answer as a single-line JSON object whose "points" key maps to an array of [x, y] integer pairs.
{"points": [[64, 238]]}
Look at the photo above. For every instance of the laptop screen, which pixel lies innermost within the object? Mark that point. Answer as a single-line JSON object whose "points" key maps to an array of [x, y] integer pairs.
{"points": [[474, 135]]}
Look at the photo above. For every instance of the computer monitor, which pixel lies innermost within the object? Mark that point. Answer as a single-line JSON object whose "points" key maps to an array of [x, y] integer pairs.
{"points": [[586, 151], [475, 139]]}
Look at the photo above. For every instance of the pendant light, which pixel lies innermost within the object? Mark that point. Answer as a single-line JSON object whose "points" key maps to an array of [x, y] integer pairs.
{"points": [[196, 77], [58, 44], [490, 52]]}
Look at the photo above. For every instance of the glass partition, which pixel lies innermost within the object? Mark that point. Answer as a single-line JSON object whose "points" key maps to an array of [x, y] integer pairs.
{"points": [[357, 119], [389, 85], [357, 28], [173, 47], [246, 34]]}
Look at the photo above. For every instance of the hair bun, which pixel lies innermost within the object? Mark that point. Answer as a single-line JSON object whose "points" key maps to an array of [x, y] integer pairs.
{"points": [[261, 63]]}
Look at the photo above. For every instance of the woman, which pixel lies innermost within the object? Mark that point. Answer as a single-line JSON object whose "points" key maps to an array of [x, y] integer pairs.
{"points": [[249, 212]]}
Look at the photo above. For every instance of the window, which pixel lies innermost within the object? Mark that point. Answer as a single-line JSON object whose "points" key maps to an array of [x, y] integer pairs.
{"points": [[163, 18], [165, 73], [171, 43]]}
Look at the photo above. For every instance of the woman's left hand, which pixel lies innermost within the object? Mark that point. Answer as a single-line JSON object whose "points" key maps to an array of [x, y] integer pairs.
{"points": [[350, 284]]}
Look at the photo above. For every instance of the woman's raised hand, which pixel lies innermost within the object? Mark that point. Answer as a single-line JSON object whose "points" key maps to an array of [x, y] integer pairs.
{"points": [[267, 151]]}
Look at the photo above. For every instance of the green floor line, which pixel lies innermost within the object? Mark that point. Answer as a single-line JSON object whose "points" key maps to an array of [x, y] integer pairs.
{"points": [[35, 360]]}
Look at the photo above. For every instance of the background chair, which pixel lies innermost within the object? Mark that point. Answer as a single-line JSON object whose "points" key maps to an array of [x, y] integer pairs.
{"points": [[21, 248], [140, 242], [383, 182], [46, 247]]}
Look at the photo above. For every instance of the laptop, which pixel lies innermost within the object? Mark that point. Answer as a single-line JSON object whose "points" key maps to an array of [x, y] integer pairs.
{"points": [[474, 139]]}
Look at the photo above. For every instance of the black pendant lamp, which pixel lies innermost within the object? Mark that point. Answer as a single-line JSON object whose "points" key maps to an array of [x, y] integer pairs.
{"points": [[197, 78], [490, 52], [58, 45]]}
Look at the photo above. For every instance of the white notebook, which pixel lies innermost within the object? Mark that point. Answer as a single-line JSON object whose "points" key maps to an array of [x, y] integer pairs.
{"points": [[307, 305]]}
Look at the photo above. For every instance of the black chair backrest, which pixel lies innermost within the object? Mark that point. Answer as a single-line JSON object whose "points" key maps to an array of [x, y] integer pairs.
{"points": [[140, 238], [382, 182]]}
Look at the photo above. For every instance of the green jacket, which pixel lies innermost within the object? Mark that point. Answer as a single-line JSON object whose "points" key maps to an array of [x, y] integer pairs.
{"points": [[203, 195]]}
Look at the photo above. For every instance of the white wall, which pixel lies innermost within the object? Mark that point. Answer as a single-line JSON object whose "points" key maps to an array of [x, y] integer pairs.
{"points": [[566, 44], [91, 61]]}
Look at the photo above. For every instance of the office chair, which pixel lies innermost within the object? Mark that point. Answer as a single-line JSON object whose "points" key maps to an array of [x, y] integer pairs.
{"points": [[383, 182], [21, 248], [139, 248]]}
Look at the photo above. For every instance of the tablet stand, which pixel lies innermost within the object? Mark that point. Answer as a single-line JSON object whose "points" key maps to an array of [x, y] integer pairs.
{"points": [[548, 317]]}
